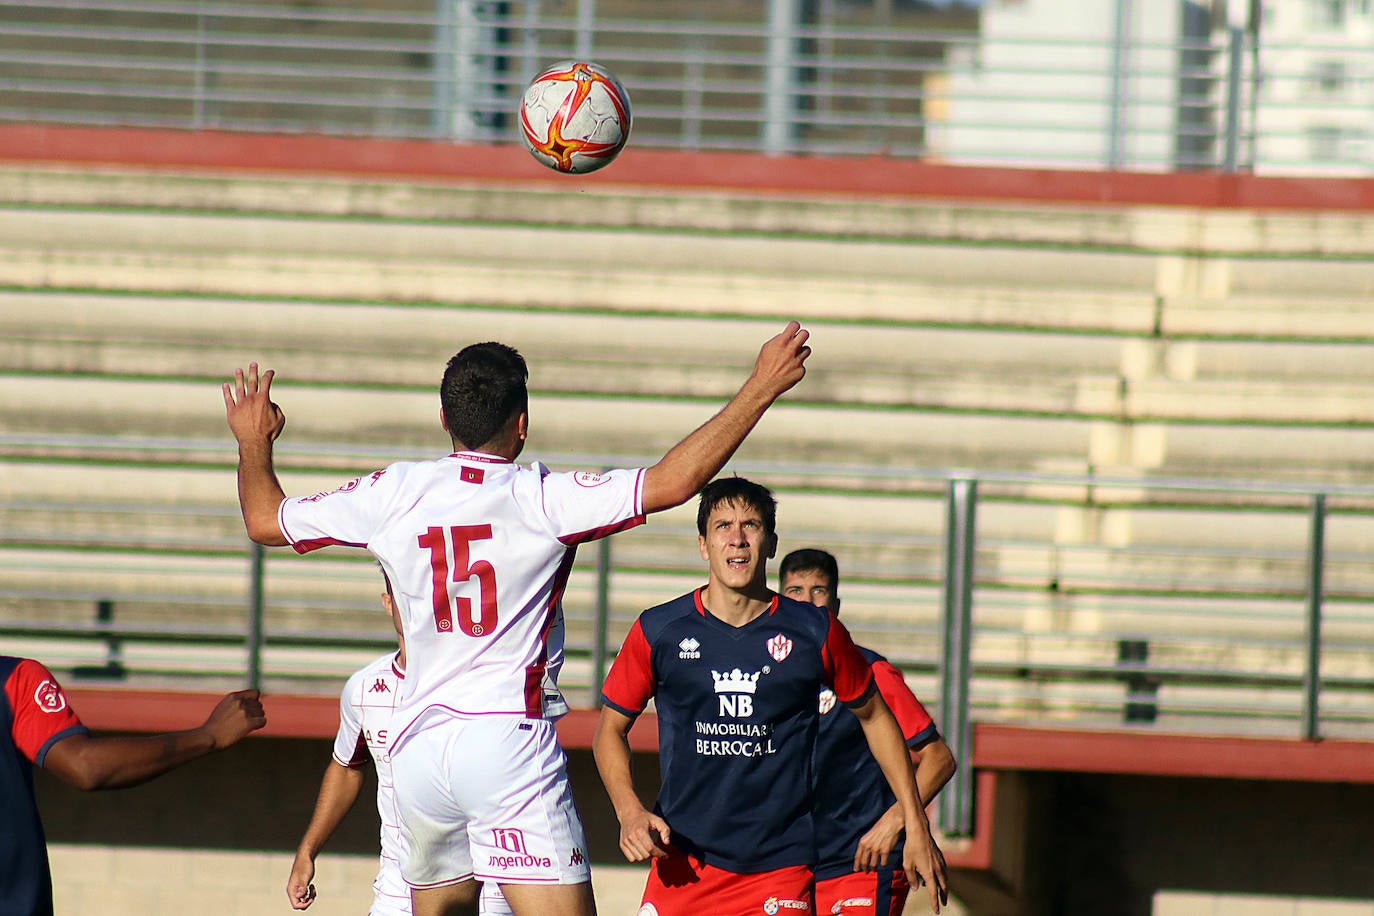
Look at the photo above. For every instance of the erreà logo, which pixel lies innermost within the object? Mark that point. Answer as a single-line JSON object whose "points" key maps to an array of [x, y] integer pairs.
{"points": [[735, 692], [689, 648]]}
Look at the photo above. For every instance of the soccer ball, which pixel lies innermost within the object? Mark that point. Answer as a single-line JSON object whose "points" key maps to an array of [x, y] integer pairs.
{"points": [[575, 117]]}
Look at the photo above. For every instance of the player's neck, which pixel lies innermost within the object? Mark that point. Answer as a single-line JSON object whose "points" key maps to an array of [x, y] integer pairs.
{"points": [[736, 607]]}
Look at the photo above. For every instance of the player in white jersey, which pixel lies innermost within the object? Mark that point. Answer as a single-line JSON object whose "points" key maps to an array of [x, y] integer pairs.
{"points": [[478, 550], [365, 715]]}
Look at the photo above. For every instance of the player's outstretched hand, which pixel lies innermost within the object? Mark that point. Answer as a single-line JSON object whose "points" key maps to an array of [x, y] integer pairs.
{"points": [[248, 406], [782, 360], [235, 716], [877, 844], [643, 836], [299, 890], [924, 864]]}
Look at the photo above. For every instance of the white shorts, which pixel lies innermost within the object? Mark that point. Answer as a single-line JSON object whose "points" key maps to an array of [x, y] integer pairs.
{"points": [[487, 797]]}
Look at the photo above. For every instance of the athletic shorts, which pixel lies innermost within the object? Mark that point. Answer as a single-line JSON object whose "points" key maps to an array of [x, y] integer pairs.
{"points": [[487, 797], [389, 904], [881, 892], [680, 885]]}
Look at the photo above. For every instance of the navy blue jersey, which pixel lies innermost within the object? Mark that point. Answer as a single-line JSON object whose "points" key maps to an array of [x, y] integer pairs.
{"points": [[851, 791], [737, 722], [34, 716]]}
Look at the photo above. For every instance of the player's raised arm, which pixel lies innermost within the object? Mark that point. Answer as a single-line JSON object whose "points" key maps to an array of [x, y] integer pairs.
{"points": [[256, 422], [642, 833], [689, 465]]}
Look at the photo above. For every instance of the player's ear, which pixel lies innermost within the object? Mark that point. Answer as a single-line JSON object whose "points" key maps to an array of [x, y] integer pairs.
{"points": [[701, 545], [522, 425], [443, 421], [772, 546]]}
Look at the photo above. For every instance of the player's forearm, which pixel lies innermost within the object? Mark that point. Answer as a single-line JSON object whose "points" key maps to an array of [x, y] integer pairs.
{"points": [[260, 493], [117, 763], [611, 750], [885, 743], [935, 765], [338, 791], [693, 462]]}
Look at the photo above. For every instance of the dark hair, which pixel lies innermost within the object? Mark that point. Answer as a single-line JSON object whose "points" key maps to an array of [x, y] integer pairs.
{"points": [[808, 559], [483, 388], [741, 492]]}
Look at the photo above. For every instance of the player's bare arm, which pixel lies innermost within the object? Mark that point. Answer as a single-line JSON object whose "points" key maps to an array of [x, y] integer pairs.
{"points": [[935, 765], [921, 857], [643, 834], [689, 465], [339, 789], [256, 422], [90, 762]]}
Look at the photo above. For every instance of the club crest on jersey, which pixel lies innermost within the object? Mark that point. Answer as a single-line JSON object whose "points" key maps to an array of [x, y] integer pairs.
{"points": [[49, 697], [827, 700], [779, 647], [588, 479], [689, 648]]}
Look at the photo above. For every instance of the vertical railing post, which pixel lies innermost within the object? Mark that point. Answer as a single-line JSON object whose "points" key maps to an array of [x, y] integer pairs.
{"points": [[603, 618], [1311, 672], [255, 613], [780, 77], [1121, 65], [1234, 61], [586, 27], [956, 802]]}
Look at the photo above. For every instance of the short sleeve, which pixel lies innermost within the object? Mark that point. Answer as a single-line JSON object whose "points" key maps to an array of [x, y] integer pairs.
{"points": [[350, 747], [345, 516], [918, 728], [847, 672], [42, 714], [630, 682], [583, 506]]}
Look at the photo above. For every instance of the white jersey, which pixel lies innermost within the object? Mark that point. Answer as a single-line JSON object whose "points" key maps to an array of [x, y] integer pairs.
{"points": [[366, 710], [478, 550]]}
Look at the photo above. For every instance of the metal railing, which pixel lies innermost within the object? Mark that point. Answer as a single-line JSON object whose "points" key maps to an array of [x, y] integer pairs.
{"points": [[1182, 605], [778, 77]]}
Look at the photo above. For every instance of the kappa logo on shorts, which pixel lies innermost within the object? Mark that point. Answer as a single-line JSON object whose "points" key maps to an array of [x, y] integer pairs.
{"points": [[689, 648], [577, 857], [779, 647], [49, 697], [774, 905]]}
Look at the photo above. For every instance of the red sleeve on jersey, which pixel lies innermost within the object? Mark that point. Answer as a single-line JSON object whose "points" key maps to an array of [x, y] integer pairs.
{"points": [[41, 710], [917, 725], [630, 683], [847, 672]]}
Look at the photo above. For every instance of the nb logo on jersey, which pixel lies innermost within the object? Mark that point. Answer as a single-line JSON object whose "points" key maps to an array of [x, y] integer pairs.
{"points": [[379, 686], [689, 648], [735, 692]]}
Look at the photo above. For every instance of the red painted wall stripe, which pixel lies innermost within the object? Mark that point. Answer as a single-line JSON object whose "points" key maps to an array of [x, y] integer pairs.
{"points": [[872, 176]]}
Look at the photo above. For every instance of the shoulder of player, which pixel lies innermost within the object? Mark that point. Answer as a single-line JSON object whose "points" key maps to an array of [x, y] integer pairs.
{"points": [[657, 621], [367, 674], [804, 616]]}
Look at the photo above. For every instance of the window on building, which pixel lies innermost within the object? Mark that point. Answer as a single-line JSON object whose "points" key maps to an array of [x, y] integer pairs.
{"points": [[1328, 14]]}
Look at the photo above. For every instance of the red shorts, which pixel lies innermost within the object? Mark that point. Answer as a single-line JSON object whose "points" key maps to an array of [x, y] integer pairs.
{"points": [[680, 885], [863, 893]]}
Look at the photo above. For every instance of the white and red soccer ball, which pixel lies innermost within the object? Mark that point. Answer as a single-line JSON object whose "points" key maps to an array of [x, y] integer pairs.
{"points": [[575, 117]]}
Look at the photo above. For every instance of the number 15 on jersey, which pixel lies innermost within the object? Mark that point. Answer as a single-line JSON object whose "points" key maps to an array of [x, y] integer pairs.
{"points": [[452, 543]]}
